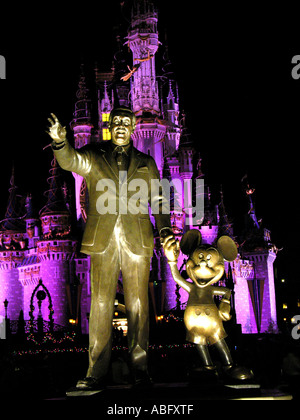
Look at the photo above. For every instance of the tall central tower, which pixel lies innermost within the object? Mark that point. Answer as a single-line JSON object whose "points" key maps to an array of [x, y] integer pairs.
{"points": [[143, 42]]}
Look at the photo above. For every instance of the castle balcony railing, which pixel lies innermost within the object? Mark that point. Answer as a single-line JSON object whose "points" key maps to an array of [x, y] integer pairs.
{"points": [[35, 326]]}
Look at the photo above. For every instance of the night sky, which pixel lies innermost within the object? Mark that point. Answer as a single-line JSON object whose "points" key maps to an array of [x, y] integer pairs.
{"points": [[233, 67]]}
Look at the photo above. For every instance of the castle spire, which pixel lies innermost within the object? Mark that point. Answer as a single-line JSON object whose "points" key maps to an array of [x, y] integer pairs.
{"points": [[143, 42], [13, 217], [225, 225], [55, 197], [249, 192], [81, 123], [55, 216], [82, 127], [82, 108]]}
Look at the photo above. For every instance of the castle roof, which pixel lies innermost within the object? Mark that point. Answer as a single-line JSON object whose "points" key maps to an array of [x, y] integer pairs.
{"points": [[82, 114], [30, 210], [13, 220], [55, 198]]}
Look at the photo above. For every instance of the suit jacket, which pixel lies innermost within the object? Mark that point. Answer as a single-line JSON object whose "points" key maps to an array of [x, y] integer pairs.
{"points": [[96, 164]]}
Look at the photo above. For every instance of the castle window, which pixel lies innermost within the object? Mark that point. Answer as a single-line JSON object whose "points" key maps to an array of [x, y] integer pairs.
{"points": [[88, 286], [105, 116], [106, 134]]}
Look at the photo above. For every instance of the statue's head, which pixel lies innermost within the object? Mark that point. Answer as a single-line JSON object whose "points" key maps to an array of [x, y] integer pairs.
{"points": [[205, 265], [122, 123]]}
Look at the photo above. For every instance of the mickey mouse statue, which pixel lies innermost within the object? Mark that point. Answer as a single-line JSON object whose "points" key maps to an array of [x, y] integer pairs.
{"points": [[203, 319]]}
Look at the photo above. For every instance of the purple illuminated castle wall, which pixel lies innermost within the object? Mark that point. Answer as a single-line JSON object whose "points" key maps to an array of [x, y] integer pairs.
{"points": [[40, 251]]}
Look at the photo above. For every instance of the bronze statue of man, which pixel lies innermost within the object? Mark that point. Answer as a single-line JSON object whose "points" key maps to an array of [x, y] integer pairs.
{"points": [[117, 240]]}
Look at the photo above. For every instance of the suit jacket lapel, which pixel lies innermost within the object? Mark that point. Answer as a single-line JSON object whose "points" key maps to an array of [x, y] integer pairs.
{"points": [[111, 161], [133, 163]]}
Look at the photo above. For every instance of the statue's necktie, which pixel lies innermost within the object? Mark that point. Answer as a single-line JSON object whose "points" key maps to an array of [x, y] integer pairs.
{"points": [[121, 158]]}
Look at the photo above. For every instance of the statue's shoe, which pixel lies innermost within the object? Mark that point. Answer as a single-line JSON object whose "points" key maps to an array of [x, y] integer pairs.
{"points": [[86, 387], [238, 373], [90, 384]]}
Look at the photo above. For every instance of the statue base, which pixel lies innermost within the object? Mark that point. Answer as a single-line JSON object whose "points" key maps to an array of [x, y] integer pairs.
{"points": [[243, 386], [178, 393], [75, 392]]}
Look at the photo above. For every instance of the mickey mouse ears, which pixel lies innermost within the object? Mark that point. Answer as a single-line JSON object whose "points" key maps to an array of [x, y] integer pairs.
{"points": [[227, 248], [190, 241]]}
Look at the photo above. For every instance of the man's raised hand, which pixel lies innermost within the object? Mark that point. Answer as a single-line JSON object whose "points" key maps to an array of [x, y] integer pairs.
{"points": [[56, 131], [171, 248]]}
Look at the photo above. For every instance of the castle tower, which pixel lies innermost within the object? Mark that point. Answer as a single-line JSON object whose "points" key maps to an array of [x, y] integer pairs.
{"points": [[12, 253], [208, 220], [32, 223], [56, 250], [143, 42], [54, 216], [185, 155], [82, 128], [171, 113], [104, 109], [254, 286]]}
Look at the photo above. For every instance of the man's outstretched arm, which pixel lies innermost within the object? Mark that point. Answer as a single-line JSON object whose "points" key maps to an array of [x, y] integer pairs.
{"points": [[67, 157]]}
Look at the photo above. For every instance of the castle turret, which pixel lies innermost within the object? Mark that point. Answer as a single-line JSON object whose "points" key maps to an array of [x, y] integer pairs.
{"points": [[186, 153], [55, 216], [225, 224], [256, 292], [105, 107], [82, 128], [56, 250], [81, 123], [13, 221], [32, 223], [171, 112], [143, 42], [12, 253]]}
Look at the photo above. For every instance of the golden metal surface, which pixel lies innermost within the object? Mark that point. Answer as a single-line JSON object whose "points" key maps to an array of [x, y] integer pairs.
{"points": [[203, 319]]}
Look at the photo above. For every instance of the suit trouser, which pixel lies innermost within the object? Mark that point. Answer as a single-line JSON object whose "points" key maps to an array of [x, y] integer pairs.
{"points": [[105, 270]]}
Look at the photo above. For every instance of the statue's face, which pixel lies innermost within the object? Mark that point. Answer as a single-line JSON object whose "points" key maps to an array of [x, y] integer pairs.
{"points": [[122, 126], [205, 266]]}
